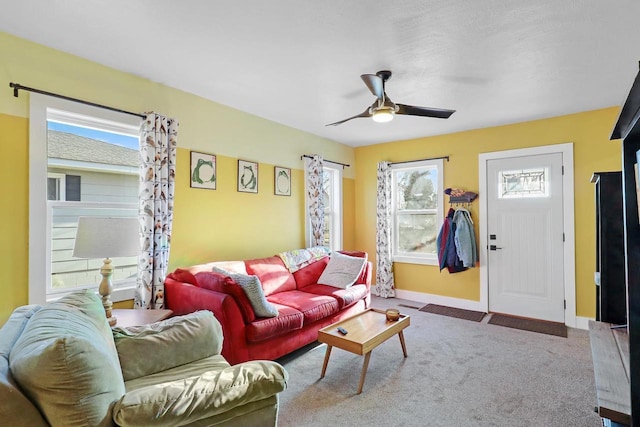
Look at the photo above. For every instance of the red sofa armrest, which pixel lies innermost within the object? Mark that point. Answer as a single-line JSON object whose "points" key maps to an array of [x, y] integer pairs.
{"points": [[365, 276], [185, 298]]}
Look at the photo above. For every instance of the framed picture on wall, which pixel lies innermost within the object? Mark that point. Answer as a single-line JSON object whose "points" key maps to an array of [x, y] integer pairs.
{"points": [[203, 171], [282, 181], [247, 176]]}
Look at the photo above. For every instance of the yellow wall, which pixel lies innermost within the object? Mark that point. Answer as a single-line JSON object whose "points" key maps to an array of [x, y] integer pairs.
{"points": [[593, 152], [207, 224], [14, 214]]}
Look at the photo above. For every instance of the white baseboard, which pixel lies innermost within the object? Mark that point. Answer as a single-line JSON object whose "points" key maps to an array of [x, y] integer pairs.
{"points": [[438, 299], [581, 322]]}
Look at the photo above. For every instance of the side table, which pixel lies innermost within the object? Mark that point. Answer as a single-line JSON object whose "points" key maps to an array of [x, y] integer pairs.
{"points": [[134, 317]]}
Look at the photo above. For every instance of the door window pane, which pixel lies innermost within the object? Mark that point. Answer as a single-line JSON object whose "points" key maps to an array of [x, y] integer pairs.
{"points": [[523, 183]]}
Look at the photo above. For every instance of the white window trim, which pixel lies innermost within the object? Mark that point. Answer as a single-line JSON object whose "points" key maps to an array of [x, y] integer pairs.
{"points": [[335, 242], [426, 259], [62, 196], [42, 107]]}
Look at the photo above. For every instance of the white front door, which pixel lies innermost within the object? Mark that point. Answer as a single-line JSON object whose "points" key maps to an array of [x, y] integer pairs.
{"points": [[525, 236]]}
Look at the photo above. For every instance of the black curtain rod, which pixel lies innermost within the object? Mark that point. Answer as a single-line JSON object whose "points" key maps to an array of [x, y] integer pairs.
{"points": [[16, 87], [344, 165], [420, 160]]}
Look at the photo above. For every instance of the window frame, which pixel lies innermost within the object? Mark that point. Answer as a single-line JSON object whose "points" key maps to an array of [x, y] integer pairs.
{"points": [[335, 210], [403, 257], [41, 109], [61, 182], [335, 242]]}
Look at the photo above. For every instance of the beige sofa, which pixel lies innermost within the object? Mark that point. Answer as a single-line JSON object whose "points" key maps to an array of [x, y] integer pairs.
{"points": [[62, 364]]}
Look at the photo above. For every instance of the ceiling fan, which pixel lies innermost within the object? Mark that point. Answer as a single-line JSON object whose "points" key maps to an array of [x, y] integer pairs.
{"points": [[383, 109]]}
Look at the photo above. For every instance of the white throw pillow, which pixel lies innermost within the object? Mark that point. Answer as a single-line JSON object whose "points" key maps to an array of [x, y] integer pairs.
{"points": [[342, 271], [253, 288]]}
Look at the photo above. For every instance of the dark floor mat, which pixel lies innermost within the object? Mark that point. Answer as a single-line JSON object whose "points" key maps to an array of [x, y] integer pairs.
{"points": [[459, 313], [533, 325]]}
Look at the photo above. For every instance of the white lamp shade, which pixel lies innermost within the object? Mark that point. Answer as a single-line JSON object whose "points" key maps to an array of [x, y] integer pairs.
{"points": [[106, 237]]}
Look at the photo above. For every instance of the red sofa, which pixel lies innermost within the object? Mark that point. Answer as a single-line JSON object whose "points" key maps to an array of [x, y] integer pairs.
{"points": [[304, 306]]}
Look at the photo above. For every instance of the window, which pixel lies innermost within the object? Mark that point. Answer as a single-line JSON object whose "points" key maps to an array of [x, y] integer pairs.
{"points": [[63, 187], [417, 203], [83, 161], [56, 186], [523, 183], [332, 197], [332, 193]]}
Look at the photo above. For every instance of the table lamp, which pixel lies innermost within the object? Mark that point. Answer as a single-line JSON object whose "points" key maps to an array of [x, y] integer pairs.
{"points": [[99, 237]]}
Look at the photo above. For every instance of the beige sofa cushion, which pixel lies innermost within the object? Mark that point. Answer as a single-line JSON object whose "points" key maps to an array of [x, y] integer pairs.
{"points": [[15, 408], [342, 271], [172, 342], [190, 399], [66, 362]]}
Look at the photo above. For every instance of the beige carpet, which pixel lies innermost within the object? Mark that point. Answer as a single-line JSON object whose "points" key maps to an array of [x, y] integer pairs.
{"points": [[458, 373]]}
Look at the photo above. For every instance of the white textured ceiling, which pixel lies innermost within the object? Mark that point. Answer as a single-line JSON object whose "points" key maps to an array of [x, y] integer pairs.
{"points": [[298, 62]]}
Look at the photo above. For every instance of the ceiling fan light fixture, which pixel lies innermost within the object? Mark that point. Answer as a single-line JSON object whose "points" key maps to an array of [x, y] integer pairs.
{"points": [[383, 115]]}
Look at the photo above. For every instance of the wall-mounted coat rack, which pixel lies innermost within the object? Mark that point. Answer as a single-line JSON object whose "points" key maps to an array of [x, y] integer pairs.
{"points": [[458, 196]]}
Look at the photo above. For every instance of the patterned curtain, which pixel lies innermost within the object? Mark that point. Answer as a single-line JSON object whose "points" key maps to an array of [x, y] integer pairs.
{"points": [[315, 201], [385, 286], [158, 145]]}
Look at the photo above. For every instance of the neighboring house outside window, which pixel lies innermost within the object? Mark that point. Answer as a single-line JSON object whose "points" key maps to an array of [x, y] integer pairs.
{"points": [[92, 158], [417, 210], [332, 192]]}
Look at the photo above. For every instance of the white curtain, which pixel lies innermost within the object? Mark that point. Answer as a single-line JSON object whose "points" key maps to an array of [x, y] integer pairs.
{"points": [[158, 145], [315, 201], [385, 286]]}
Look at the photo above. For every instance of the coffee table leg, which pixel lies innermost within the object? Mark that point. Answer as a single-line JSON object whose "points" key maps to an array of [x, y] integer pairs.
{"points": [[404, 347], [326, 361], [364, 371]]}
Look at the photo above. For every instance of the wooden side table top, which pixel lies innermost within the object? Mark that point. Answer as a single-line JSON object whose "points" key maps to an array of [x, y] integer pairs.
{"points": [[133, 317]]}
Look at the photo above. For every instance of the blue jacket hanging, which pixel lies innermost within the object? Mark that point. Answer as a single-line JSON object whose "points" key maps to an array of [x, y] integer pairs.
{"points": [[465, 238], [445, 243]]}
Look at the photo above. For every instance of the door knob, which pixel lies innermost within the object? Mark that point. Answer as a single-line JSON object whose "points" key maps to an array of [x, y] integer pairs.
{"points": [[493, 248]]}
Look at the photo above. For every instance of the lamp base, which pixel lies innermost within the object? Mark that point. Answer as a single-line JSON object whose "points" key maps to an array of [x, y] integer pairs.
{"points": [[112, 321], [105, 290]]}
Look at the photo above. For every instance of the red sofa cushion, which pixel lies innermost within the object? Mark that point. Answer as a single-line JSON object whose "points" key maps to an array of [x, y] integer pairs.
{"points": [[185, 276], [272, 273], [225, 284], [288, 319], [313, 306], [310, 274], [345, 297]]}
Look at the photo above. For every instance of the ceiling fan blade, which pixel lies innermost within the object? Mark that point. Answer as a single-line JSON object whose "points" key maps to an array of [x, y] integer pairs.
{"points": [[365, 113], [374, 83], [410, 110]]}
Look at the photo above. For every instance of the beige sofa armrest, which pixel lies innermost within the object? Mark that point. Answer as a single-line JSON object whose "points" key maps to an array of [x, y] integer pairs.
{"points": [[191, 399], [173, 342]]}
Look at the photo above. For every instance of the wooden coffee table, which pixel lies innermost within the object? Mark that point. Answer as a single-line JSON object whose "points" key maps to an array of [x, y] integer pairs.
{"points": [[365, 331]]}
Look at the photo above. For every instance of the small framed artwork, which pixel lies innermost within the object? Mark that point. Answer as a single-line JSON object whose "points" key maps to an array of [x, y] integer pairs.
{"points": [[203, 171], [282, 181], [247, 176]]}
